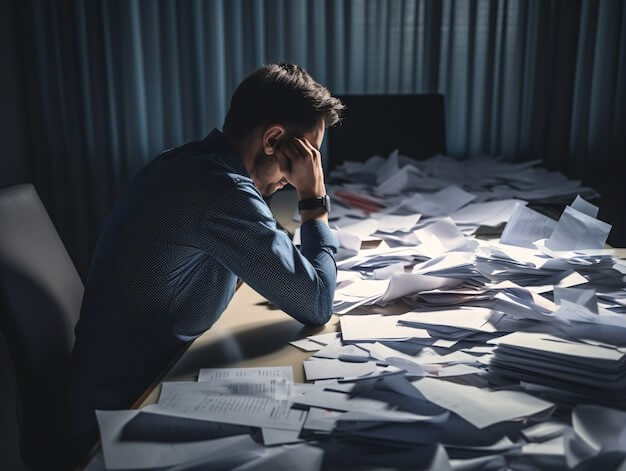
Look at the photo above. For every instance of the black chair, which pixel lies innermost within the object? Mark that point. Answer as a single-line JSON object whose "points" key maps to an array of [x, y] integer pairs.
{"points": [[40, 298], [378, 124]]}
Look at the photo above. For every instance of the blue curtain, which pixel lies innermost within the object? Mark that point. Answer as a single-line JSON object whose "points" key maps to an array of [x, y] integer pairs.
{"points": [[107, 85]]}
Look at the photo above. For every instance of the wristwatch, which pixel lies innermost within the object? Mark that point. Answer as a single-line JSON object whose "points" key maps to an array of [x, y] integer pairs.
{"points": [[315, 203]]}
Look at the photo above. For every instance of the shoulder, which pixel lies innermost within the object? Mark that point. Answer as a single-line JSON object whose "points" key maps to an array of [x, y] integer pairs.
{"points": [[241, 195]]}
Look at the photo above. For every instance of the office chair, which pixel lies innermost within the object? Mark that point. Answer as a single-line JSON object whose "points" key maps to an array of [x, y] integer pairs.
{"points": [[378, 124], [40, 298]]}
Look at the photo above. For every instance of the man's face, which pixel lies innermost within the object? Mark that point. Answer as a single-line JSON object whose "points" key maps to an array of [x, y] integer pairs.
{"points": [[267, 175]]}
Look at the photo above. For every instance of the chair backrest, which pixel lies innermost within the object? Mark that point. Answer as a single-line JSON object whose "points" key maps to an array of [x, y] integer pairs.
{"points": [[378, 124], [40, 297]]}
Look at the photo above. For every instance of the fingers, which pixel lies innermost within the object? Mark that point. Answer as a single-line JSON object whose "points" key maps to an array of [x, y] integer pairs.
{"points": [[301, 146], [307, 147], [297, 149], [291, 151]]}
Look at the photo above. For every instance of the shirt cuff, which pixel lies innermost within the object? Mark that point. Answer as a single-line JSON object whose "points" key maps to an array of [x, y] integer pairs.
{"points": [[316, 234]]}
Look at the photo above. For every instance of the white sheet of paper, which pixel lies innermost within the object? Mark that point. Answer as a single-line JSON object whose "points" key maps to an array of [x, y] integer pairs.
{"points": [[347, 240], [480, 407], [557, 346], [440, 203], [581, 296], [577, 230], [573, 279], [330, 338], [316, 396], [526, 226], [452, 262], [321, 419], [398, 359], [458, 357], [404, 284], [209, 374], [440, 237], [601, 427], [522, 255], [492, 213], [596, 429], [302, 457], [347, 275], [552, 447], [544, 431], [472, 318], [408, 179], [349, 352], [385, 273], [361, 228], [362, 289], [273, 388], [585, 206], [332, 368], [135, 455], [391, 223], [274, 436], [377, 327], [191, 400], [454, 370], [390, 166]]}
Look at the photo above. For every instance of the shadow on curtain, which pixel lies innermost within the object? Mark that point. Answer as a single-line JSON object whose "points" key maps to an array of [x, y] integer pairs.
{"points": [[110, 84]]}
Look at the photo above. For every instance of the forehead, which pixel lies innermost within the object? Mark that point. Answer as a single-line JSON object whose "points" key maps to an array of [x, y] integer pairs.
{"points": [[316, 136]]}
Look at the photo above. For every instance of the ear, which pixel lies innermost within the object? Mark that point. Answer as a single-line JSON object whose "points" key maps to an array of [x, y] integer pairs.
{"points": [[271, 137]]}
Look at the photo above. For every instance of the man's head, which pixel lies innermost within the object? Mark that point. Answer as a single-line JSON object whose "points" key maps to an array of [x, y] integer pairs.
{"points": [[275, 103]]}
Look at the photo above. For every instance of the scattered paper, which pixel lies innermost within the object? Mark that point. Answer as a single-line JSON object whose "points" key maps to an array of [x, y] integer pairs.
{"points": [[481, 407]]}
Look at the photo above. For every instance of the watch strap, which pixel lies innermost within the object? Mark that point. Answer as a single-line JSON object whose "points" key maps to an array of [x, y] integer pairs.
{"points": [[314, 203]]}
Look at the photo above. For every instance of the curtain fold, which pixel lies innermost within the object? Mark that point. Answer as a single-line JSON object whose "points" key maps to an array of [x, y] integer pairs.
{"points": [[109, 84]]}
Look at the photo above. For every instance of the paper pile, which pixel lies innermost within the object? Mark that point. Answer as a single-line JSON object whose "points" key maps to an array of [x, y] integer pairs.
{"points": [[570, 371], [454, 352]]}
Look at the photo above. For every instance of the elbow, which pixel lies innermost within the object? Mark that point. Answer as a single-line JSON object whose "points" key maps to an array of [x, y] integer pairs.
{"points": [[322, 311], [314, 306], [320, 317]]}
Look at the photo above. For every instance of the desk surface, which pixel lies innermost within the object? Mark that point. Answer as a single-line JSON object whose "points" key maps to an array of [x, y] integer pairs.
{"points": [[251, 332]]}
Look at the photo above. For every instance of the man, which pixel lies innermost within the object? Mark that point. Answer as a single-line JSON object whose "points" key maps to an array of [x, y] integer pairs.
{"points": [[189, 225]]}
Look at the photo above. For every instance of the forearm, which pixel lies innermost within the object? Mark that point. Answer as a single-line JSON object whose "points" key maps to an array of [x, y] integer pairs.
{"points": [[319, 247], [247, 242]]}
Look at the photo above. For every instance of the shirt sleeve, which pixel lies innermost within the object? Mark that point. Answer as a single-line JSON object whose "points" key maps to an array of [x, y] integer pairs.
{"points": [[240, 231]]}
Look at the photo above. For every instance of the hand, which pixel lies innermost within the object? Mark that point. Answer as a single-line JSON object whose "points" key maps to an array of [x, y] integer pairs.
{"points": [[301, 164]]}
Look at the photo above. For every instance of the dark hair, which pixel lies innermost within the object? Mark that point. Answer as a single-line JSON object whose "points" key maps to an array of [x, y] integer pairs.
{"points": [[284, 94]]}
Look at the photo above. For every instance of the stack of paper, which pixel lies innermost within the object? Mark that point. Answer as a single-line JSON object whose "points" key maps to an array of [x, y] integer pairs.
{"points": [[571, 370], [524, 266]]}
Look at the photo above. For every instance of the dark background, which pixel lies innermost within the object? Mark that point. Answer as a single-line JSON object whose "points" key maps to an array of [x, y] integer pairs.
{"points": [[92, 90]]}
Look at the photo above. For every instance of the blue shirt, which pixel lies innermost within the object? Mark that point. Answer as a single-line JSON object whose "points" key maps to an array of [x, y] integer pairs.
{"points": [[166, 266]]}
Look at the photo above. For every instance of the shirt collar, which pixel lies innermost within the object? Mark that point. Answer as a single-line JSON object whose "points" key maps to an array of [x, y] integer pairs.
{"points": [[217, 143]]}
